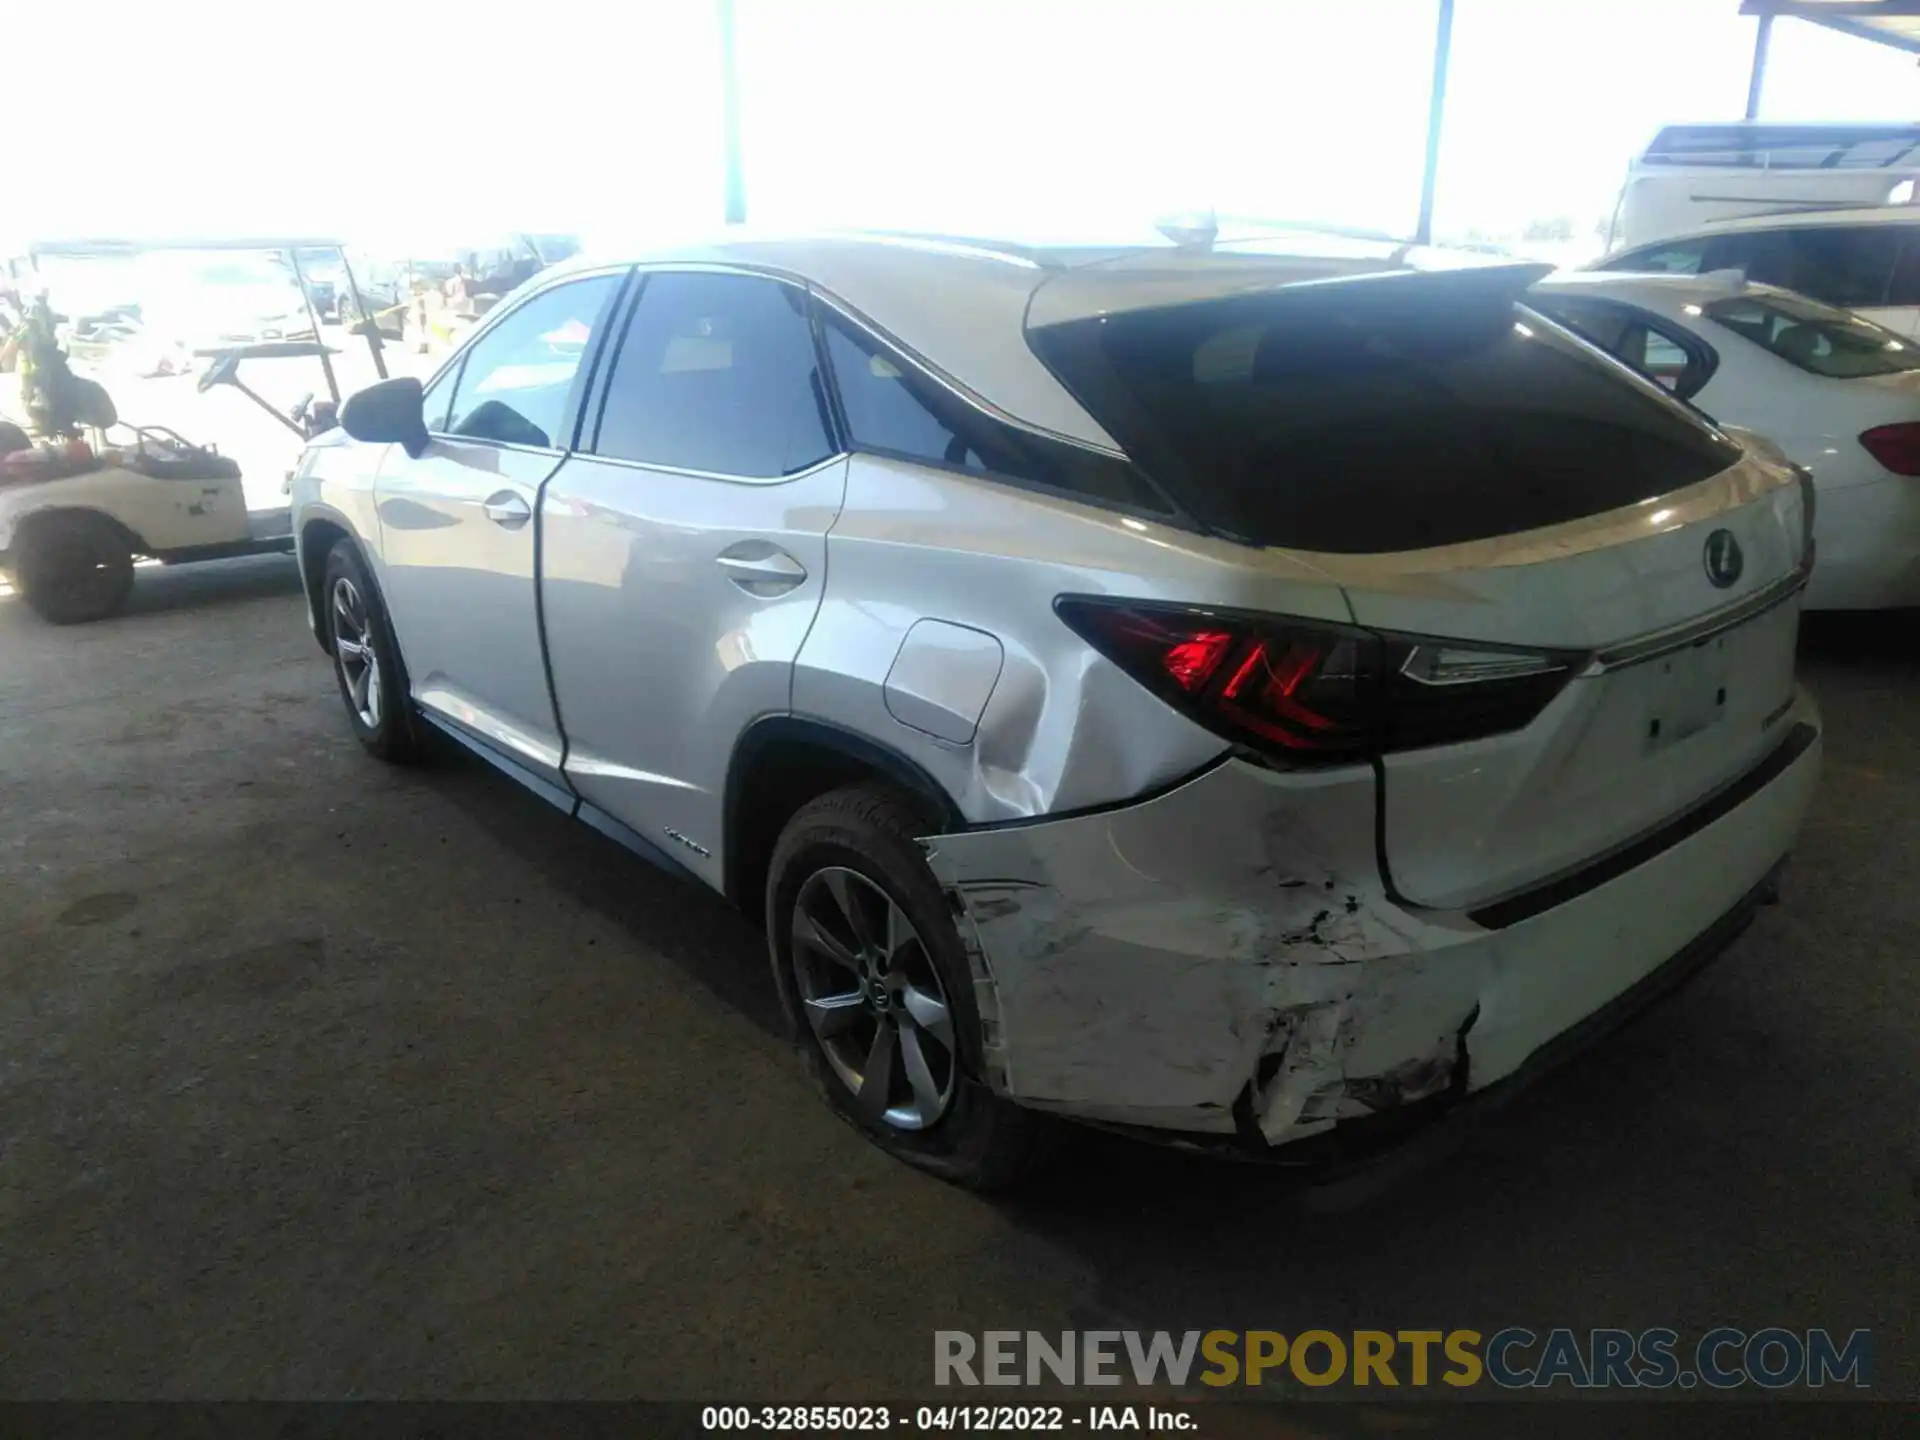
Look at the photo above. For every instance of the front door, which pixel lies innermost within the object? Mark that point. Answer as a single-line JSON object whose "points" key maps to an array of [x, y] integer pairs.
{"points": [[457, 523], [684, 550]]}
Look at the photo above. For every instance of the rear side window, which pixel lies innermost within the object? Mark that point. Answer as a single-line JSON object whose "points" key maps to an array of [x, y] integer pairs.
{"points": [[717, 373], [1635, 337], [1850, 265], [1391, 413], [892, 409], [1815, 338]]}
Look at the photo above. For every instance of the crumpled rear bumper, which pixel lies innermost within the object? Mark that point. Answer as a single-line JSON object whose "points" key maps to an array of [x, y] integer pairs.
{"points": [[1227, 959]]}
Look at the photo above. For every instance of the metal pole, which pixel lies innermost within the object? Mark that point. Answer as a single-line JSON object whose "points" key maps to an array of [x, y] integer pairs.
{"points": [[367, 317], [730, 119], [1436, 108], [313, 315], [1759, 77]]}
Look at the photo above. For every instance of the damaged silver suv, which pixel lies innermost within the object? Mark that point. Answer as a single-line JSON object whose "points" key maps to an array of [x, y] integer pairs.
{"points": [[1240, 696]]}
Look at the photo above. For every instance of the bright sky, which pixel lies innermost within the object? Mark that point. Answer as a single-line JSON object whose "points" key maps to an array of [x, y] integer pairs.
{"points": [[1035, 116]]}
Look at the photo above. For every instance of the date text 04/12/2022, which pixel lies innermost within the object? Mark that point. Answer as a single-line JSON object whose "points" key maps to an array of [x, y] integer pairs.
{"points": [[948, 1419]]}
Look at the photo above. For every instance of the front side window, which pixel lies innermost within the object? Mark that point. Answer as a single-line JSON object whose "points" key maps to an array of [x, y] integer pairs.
{"points": [[436, 397], [517, 379], [1816, 338], [717, 373]]}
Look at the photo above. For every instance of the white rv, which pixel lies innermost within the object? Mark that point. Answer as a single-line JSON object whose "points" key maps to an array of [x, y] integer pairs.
{"points": [[1692, 175]]}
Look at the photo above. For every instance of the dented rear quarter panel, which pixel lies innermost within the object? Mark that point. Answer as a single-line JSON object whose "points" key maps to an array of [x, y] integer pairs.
{"points": [[1137, 964]]}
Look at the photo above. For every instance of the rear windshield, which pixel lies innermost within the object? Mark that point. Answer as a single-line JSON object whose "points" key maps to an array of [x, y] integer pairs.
{"points": [[1392, 413], [1816, 337]]}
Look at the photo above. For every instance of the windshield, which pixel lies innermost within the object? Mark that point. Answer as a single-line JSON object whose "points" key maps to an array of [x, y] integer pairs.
{"points": [[1817, 338], [1377, 415]]}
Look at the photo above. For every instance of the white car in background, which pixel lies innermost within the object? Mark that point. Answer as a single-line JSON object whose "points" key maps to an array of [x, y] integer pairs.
{"points": [[1867, 261], [1694, 175], [1835, 392]]}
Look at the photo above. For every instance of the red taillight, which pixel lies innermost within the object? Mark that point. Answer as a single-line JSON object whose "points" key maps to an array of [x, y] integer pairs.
{"points": [[1313, 694], [1191, 662], [1895, 446]]}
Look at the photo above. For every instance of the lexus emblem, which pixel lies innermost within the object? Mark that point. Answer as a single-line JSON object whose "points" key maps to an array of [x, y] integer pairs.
{"points": [[1724, 560]]}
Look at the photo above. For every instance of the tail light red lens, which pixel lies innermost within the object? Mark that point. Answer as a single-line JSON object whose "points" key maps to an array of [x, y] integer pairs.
{"points": [[1310, 694], [1895, 446]]}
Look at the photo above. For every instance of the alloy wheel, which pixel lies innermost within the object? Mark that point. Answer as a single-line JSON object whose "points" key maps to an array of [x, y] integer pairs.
{"points": [[875, 1003], [353, 651]]}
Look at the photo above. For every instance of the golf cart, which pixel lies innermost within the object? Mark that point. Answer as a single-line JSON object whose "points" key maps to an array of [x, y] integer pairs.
{"points": [[82, 494]]}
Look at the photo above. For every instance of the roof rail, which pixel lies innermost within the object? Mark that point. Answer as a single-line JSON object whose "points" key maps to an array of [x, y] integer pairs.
{"points": [[987, 245]]}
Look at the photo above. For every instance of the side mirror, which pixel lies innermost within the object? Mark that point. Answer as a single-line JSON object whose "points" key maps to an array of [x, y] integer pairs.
{"points": [[389, 413]]}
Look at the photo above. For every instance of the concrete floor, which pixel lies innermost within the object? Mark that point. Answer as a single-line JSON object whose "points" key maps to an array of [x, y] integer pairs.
{"points": [[321, 1078]]}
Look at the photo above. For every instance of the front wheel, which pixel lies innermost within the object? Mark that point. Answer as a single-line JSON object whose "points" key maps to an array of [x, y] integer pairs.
{"points": [[366, 662], [880, 991], [74, 568]]}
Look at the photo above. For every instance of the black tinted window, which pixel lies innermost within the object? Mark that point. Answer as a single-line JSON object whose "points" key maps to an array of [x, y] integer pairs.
{"points": [[1815, 338], [1905, 286], [518, 376], [893, 409], [1392, 413], [717, 373], [1840, 264], [1630, 335]]}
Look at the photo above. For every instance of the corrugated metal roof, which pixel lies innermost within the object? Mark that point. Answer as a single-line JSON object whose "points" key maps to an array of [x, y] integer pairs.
{"points": [[1885, 22]]}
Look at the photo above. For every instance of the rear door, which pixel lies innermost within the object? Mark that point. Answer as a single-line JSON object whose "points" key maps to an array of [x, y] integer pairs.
{"points": [[1473, 475], [684, 552]]}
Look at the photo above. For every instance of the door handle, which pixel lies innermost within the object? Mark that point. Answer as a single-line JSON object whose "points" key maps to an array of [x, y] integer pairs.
{"points": [[508, 509], [760, 567]]}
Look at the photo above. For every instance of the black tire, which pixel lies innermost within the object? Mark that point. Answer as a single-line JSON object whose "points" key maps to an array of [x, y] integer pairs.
{"points": [[74, 568], [358, 619], [980, 1140]]}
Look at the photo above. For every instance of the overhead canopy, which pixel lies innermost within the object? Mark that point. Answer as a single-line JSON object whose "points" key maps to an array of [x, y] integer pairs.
{"points": [[1886, 22], [114, 246]]}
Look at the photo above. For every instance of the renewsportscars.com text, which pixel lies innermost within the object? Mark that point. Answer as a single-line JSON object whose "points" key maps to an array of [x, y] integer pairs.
{"points": [[1515, 1358]]}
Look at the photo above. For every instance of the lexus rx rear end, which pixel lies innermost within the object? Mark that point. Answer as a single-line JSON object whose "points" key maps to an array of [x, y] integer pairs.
{"points": [[1249, 699]]}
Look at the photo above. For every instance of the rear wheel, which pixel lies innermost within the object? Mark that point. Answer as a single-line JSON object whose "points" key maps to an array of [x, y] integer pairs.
{"points": [[880, 991], [74, 568], [366, 662]]}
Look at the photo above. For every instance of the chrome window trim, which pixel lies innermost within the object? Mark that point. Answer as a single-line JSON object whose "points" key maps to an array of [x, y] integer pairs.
{"points": [[441, 439], [1654, 644], [590, 457], [955, 387]]}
